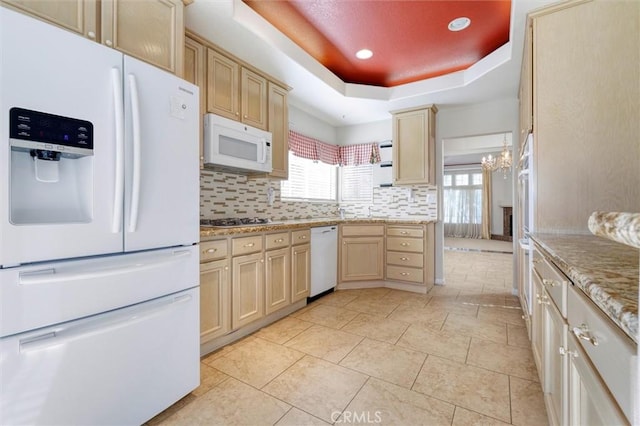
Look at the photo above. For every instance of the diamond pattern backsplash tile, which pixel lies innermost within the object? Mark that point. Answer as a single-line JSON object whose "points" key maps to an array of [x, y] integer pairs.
{"points": [[224, 194]]}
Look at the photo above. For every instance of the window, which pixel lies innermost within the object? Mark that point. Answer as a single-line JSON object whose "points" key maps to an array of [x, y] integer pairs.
{"points": [[356, 183], [462, 195], [309, 180]]}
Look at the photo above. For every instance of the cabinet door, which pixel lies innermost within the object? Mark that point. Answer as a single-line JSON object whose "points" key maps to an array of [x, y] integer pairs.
{"points": [[361, 258], [223, 85], [300, 272], [151, 30], [540, 298], [590, 403], [526, 86], [555, 375], [248, 289], [279, 128], [254, 99], [215, 300], [413, 147], [278, 283], [79, 16], [195, 56]]}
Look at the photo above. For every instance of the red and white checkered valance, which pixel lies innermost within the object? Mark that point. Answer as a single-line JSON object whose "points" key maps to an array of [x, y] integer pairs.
{"points": [[351, 155]]}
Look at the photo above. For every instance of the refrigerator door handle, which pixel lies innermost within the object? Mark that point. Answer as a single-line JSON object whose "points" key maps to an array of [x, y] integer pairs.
{"points": [[116, 84], [110, 322], [135, 120], [52, 275]]}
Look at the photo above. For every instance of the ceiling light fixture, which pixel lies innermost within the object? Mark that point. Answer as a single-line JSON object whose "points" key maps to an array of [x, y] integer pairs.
{"points": [[364, 54], [502, 162], [459, 24]]}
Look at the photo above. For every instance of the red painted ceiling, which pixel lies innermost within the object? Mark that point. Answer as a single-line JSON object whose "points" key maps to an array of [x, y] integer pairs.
{"points": [[409, 39]]}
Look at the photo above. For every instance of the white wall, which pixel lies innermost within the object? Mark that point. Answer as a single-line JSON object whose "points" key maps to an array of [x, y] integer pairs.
{"points": [[471, 120], [377, 131], [308, 125]]}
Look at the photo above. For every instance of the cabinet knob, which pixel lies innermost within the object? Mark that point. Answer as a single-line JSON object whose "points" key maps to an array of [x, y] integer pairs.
{"points": [[404, 232], [91, 35], [249, 245], [404, 258], [108, 42], [279, 240], [550, 283], [404, 274], [303, 237], [583, 333], [261, 260], [404, 244], [226, 268]]}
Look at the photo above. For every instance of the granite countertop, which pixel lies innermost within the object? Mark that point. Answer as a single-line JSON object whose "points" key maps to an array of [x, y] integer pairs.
{"points": [[621, 227], [209, 232], [606, 271]]}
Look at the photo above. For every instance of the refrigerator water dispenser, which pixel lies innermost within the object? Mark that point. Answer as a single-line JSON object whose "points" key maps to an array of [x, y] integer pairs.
{"points": [[51, 168]]}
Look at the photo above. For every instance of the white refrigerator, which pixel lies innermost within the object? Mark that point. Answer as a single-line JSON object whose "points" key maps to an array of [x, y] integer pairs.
{"points": [[99, 221]]}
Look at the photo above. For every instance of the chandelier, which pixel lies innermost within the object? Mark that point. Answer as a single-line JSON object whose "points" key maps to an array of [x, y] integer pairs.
{"points": [[501, 162]]}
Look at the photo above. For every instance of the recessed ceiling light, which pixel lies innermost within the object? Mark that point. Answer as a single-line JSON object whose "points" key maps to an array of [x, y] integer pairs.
{"points": [[459, 24], [364, 54]]}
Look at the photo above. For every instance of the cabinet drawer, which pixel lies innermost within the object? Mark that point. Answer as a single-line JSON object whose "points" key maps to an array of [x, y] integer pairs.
{"points": [[405, 231], [210, 250], [554, 282], [405, 259], [274, 241], [362, 230], [300, 237], [414, 245], [246, 245], [611, 352], [400, 273]]}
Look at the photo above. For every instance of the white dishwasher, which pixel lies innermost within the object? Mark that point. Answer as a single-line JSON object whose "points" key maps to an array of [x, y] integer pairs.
{"points": [[324, 259]]}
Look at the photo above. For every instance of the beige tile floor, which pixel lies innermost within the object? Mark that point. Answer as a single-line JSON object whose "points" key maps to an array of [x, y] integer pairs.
{"points": [[458, 355]]}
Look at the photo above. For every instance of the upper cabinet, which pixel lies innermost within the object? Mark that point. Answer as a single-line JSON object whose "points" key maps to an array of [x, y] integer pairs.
{"points": [[586, 155], [414, 146], [79, 16], [195, 68], [279, 128], [235, 92], [150, 30], [526, 86]]}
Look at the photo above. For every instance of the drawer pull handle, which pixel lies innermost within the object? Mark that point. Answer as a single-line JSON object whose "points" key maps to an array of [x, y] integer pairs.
{"points": [[212, 250], [563, 351], [404, 258], [537, 260], [542, 300], [404, 232], [550, 283], [303, 237], [404, 244], [250, 245], [404, 274], [583, 333], [279, 240]]}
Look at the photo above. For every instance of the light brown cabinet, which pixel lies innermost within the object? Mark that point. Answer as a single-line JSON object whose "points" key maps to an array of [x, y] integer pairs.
{"points": [[586, 155], [414, 146], [235, 92], [215, 294], [405, 255], [79, 16], [195, 68], [247, 280], [361, 252], [300, 265], [279, 128], [150, 30], [277, 272]]}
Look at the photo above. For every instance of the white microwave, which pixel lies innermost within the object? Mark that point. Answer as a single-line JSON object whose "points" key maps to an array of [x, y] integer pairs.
{"points": [[234, 145]]}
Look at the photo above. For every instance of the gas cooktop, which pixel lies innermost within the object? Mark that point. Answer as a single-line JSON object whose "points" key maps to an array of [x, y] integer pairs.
{"points": [[234, 221]]}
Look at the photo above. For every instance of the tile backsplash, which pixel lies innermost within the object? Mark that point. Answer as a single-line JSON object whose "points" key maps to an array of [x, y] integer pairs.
{"points": [[224, 194]]}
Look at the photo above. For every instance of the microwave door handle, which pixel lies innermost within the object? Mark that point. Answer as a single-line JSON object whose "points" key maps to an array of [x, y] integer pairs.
{"points": [[264, 151]]}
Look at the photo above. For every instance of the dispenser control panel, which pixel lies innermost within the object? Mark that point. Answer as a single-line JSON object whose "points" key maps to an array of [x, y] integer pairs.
{"points": [[35, 130]]}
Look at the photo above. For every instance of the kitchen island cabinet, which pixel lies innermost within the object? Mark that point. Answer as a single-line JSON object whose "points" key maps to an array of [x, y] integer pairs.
{"points": [[584, 325]]}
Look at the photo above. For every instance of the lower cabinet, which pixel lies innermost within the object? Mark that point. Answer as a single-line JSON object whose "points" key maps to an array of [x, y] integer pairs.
{"points": [[215, 300], [277, 279], [361, 252], [555, 364], [247, 289], [300, 272]]}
